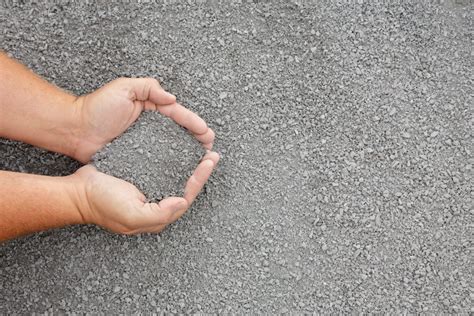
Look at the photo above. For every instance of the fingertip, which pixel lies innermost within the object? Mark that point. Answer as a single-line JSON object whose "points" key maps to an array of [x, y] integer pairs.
{"points": [[212, 133], [169, 98], [209, 163], [212, 136], [200, 126], [206, 138], [212, 156]]}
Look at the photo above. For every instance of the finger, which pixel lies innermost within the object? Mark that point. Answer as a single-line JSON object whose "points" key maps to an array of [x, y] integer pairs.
{"points": [[184, 117], [198, 179], [207, 138], [149, 106], [145, 105], [144, 89], [211, 155], [166, 211]]}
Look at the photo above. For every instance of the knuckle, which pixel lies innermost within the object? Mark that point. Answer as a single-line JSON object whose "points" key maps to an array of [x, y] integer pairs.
{"points": [[154, 81], [193, 181], [162, 215], [165, 216], [150, 82], [121, 80]]}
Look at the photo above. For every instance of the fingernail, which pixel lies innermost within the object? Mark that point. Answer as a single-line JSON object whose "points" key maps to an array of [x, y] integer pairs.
{"points": [[212, 163]]}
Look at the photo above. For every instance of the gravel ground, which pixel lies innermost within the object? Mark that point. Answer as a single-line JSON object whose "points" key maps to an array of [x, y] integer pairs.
{"points": [[345, 183], [154, 154]]}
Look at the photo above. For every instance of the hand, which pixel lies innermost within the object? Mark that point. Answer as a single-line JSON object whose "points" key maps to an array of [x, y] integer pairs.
{"points": [[120, 207], [109, 111], [105, 114]]}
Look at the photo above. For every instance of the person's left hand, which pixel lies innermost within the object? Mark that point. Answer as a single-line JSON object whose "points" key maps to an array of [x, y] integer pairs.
{"points": [[107, 112], [120, 207]]}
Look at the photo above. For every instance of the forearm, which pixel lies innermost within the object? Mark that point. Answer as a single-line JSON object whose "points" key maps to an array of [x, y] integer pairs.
{"points": [[35, 111], [31, 203]]}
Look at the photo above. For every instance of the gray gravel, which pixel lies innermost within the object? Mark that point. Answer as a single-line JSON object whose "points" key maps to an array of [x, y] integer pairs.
{"points": [[154, 154], [345, 183]]}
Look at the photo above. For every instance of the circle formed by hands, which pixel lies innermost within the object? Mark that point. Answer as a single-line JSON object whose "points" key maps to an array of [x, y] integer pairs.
{"points": [[105, 114]]}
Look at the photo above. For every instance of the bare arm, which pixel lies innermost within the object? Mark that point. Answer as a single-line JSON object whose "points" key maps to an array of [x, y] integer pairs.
{"points": [[39, 113], [35, 111], [31, 203]]}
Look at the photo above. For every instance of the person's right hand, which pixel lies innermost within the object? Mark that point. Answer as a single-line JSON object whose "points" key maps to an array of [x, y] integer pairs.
{"points": [[120, 207]]}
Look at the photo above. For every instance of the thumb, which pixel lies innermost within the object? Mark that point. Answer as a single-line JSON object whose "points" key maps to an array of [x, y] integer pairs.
{"points": [[149, 89], [173, 204], [168, 210]]}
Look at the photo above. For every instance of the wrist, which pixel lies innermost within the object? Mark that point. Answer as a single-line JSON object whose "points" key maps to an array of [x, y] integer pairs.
{"points": [[76, 134], [83, 144], [77, 191], [73, 193]]}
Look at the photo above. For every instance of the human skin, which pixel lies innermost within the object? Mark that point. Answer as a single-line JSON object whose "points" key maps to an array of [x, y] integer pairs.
{"points": [[39, 113]]}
